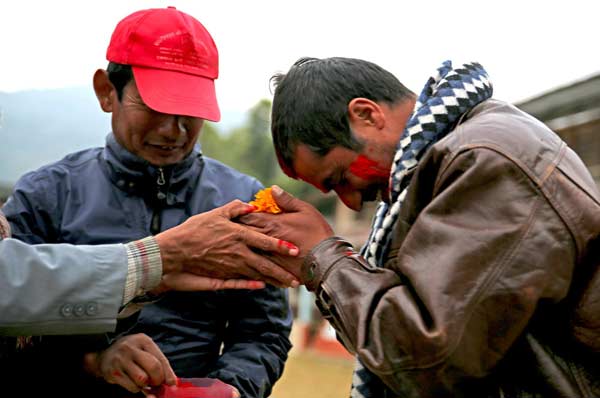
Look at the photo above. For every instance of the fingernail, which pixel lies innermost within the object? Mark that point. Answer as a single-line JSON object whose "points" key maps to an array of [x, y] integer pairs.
{"points": [[257, 285], [295, 283], [251, 209], [292, 249], [276, 189]]}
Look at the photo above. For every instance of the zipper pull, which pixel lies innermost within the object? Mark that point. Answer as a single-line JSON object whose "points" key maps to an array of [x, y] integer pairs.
{"points": [[160, 181], [161, 177]]}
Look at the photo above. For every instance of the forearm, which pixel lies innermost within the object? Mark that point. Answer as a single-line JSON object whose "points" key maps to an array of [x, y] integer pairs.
{"points": [[349, 293]]}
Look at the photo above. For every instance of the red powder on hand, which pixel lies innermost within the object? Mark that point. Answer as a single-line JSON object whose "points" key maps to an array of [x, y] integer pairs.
{"points": [[194, 388]]}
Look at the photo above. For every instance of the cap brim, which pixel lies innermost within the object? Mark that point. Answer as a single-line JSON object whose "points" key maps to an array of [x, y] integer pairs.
{"points": [[177, 93]]}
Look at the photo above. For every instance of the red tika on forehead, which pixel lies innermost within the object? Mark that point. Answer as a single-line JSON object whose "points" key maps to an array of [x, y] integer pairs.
{"points": [[367, 169]]}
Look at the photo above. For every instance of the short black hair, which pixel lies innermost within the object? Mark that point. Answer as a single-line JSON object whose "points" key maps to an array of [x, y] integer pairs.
{"points": [[119, 75], [310, 103]]}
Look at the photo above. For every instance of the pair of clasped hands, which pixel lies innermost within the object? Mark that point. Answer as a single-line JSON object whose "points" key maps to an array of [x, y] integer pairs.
{"points": [[231, 247], [237, 247]]}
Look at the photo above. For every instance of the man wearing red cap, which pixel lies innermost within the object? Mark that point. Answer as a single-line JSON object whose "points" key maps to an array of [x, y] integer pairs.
{"points": [[159, 87]]}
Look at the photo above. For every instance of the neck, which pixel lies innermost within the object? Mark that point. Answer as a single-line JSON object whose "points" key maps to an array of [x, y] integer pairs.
{"points": [[399, 115]]}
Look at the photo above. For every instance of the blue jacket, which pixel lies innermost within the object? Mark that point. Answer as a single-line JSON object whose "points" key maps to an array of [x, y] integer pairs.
{"points": [[108, 195]]}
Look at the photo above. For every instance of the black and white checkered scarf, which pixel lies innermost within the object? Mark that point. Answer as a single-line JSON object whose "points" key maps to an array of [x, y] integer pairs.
{"points": [[447, 95]]}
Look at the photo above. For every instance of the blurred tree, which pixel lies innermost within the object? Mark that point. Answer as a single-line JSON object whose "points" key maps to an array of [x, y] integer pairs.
{"points": [[249, 148]]}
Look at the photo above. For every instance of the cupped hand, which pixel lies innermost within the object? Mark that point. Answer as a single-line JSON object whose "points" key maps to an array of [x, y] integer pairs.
{"points": [[212, 245], [186, 281], [134, 362], [299, 223]]}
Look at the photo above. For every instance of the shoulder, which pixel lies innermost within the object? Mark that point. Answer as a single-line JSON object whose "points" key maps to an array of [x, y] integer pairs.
{"points": [[224, 173], [218, 184], [52, 180], [503, 126], [62, 168], [499, 129]]}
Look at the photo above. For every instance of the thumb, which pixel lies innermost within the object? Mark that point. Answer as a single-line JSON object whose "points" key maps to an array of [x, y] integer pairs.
{"points": [[285, 201], [235, 208]]}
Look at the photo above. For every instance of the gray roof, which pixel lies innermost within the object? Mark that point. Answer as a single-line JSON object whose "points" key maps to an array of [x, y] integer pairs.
{"points": [[572, 104]]}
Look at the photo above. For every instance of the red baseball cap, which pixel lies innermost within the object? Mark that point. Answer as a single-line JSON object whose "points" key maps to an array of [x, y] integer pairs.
{"points": [[174, 60]]}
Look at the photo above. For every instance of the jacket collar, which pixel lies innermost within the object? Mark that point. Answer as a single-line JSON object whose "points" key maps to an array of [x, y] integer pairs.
{"points": [[136, 176]]}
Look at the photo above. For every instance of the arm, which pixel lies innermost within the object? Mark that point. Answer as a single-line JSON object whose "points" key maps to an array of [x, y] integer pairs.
{"points": [[208, 245], [65, 289], [57, 289], [256, 341], [32, 209]]}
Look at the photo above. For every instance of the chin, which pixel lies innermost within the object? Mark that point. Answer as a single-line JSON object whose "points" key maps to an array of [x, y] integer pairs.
{"points": [[162, 162]]}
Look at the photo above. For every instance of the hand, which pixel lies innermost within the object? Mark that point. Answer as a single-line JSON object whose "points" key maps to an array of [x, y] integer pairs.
{"points": [[133, 362], [299, 223], [186, 281], [211, 245]]}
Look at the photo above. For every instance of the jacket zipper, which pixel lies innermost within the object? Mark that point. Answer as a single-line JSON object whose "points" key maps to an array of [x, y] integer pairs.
{"points": [[155, 224]]}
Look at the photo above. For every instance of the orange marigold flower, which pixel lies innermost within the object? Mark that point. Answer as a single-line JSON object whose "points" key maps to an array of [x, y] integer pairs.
{"points": [[264, 202]]}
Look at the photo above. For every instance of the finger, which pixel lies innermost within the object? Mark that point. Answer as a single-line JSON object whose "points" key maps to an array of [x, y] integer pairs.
{"points": [[272, 273], [242, 271], [285, 201], [121, 378], [134, 378], [267, 243], [192, 282], [147, 370], [241, 284], [161, 373], [235, 209], [257, 220]]}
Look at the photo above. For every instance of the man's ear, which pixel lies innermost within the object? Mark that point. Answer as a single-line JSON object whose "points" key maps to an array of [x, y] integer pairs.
{"points": [[105, 91], [365, 111]]}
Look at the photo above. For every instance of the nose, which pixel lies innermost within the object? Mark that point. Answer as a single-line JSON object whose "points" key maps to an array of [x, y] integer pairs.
{"points": [[352, 199], [172, 127]]}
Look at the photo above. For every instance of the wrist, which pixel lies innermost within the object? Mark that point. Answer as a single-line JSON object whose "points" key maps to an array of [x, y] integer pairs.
{"points": [[167, 248], [91, 364], [144, 267], [321, 259]]}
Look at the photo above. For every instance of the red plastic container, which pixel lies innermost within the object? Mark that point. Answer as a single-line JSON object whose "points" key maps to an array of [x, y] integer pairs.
{"points": [[194, 388]]}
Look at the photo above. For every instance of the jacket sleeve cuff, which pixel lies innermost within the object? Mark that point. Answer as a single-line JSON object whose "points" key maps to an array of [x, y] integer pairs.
{"points": [[144, 268], [321, 259]]}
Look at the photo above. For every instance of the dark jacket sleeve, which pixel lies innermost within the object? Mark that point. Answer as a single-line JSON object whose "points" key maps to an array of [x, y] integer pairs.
{"points": [[32, 209], [477, 257], [256, 342]]}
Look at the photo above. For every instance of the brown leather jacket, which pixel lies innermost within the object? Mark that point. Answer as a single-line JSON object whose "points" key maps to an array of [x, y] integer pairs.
{"points": [[492, 285]]}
